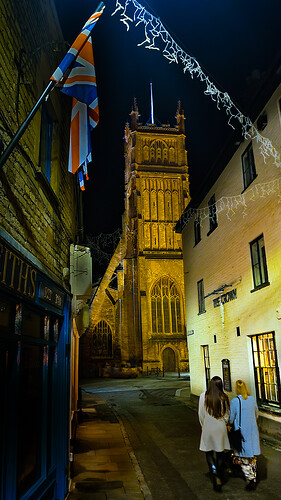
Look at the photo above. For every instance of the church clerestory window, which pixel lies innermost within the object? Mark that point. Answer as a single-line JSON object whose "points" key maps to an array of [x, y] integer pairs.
{"points": [[102, 340], [166, 307]]}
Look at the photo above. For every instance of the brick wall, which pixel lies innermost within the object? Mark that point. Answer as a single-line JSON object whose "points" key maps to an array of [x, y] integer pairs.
{"points": [[41, 218]]}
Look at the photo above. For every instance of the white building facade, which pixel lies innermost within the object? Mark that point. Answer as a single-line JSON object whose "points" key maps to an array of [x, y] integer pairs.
{"points": [[232, 266]]}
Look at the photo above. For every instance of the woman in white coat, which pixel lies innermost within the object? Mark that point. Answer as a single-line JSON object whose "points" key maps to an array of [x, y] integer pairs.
{"points": [[213, 415]]}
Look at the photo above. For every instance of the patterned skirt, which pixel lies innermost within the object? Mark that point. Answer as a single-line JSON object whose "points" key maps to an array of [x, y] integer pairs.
{"points": [[248, 466]]}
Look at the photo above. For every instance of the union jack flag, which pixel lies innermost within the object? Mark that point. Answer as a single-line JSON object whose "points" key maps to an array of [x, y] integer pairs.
{"points": [[80, 83]]}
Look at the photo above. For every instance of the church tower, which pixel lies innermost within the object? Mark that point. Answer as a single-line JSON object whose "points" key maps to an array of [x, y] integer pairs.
{"points": [[137, 317], [156, 193]]}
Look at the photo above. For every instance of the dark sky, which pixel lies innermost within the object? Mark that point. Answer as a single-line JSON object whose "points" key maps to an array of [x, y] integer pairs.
{"points": [[234, 41]]}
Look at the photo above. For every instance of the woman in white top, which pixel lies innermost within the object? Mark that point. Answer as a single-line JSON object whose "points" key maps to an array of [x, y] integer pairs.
{"points": [[213, 415]]}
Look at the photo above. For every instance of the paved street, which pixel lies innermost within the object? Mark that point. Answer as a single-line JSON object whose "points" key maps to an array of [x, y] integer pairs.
{"points": [[164, 432]]}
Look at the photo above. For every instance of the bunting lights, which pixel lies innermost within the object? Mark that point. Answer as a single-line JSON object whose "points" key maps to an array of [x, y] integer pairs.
{"points": [[158, 38], [230, 204]]}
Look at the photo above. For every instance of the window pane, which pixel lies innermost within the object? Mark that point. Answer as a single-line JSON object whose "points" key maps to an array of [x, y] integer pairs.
{"points": [[5, 315], [31, 323], [173, 311], [30, 422]]}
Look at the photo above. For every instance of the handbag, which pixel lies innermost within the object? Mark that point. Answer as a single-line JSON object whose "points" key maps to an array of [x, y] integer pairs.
{"points": [[235, 437]]}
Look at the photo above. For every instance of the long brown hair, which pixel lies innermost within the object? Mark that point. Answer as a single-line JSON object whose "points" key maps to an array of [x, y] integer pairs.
{"points": [[216, 401]]}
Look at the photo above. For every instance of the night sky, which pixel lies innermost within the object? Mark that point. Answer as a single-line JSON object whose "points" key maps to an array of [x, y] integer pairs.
{"points": [[234, 41]]}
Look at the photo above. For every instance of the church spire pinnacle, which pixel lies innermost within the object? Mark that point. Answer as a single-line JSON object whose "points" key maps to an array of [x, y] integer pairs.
{"points": [[135, 115], [180, 118]]}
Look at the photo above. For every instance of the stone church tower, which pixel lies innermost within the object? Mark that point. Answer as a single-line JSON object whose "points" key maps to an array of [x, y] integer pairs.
{"points": [[138, 315]]}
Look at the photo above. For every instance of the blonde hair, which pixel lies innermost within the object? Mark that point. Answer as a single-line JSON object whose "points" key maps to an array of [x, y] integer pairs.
{"points": [[241, 388]]}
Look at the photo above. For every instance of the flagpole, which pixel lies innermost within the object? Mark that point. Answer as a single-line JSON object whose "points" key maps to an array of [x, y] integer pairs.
{"points": [[27, 121], [25, 124]]}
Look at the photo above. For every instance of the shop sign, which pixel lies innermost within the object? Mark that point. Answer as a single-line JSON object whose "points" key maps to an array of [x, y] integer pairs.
{"points": [[51, 295], [226, 297], [17, 274]]}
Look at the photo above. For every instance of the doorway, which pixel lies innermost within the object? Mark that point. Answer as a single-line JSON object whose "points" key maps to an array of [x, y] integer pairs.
{"points": [[169, 360]]}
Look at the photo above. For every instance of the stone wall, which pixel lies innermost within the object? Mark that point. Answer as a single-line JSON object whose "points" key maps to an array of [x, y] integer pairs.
{"points": [[40, 215]]}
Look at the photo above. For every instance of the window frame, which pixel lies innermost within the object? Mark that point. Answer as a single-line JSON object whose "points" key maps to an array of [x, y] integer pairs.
{"points": [[207, 365], [249, 168], [197, 231], [213, 218], [201, 298], [262, 368], [261, 264]]}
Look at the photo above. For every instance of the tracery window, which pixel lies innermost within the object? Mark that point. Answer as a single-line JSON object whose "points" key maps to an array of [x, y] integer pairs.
{"points": [[166, 307], [102, 340]]}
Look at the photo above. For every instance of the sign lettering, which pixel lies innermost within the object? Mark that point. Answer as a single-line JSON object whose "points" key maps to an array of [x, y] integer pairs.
{"points": [[226, 297]]}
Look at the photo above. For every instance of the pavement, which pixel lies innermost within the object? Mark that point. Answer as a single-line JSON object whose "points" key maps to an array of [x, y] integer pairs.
{"points": [[105, 466]]}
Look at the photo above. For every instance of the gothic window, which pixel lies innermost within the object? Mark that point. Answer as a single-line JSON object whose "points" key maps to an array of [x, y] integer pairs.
{"points": [[162, 236], [166, 307], [161, 209], [153, 198], [175, 197], [165, 155], [146, 154], [146, 211], [168, 205], [154, 235], [102, 340], [147, 238], [172, 155], [152, 154], [158, 155]]}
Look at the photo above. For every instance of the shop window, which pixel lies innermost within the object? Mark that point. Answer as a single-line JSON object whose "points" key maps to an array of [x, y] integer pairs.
{"points": [[201, 299], [166, 307], [266, 369], [197, 231], [213, 221], [102, 340], [207, 367], [30, 422], [259, 265], [5, 315], [248, 166], [31, 323]]}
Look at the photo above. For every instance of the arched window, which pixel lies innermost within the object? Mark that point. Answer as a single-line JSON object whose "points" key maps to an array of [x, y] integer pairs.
{"points": [[102, 340], [166, 307]]}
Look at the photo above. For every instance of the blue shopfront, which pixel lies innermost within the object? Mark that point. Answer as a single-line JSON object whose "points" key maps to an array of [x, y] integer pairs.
{"points": [[34, 378]]}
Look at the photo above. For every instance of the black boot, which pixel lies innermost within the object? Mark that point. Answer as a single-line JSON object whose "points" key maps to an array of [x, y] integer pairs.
{"points": [[251, 485], [217, 484]]}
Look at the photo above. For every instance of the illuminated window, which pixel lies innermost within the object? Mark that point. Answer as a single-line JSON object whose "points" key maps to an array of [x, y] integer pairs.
{"points": [[265, 368], [201, 300], [206, 356], [166, 307], [213, 222], [259, 266], [102, 340], [248, 166]]}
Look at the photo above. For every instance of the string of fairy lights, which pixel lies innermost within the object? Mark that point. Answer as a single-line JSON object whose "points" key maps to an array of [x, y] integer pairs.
{"points": [[230, 204], [156, 37]]}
